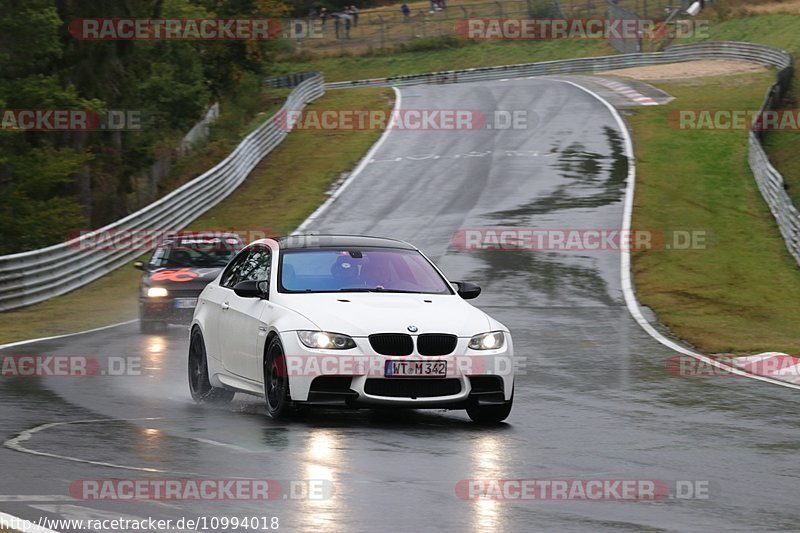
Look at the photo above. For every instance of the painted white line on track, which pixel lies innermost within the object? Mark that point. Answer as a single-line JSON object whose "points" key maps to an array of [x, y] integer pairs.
{"points": [[15, 443], [359, 168], [13, 498], [625, 259], [41, 339]]}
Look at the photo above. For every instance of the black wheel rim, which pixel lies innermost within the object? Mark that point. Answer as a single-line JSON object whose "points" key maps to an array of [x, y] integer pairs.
{"points": [[275, 379], [197, 367]]}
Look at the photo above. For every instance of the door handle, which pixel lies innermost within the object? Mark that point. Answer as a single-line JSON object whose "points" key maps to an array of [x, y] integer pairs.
{"points": [[225, 306]]}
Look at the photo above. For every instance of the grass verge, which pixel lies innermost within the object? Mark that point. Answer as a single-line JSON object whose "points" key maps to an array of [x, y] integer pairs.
{"points": [[739, 294], [434, 54], [279, 194], [778, 28]]}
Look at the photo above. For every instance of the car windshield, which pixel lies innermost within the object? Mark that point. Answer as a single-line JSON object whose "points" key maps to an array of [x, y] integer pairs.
{"points": [[359, 270], [195, 253]]}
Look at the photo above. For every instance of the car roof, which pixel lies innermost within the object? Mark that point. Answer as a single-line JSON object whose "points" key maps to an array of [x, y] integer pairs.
{"points": [[297, 242]]}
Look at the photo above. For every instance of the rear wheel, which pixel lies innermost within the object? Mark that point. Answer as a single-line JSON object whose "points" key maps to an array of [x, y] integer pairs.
{"points": [[490, 414], [276, 381], [199, 384]]}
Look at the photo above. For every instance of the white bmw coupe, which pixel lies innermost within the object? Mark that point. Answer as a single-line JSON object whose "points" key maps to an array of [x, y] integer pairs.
{"points": [[351, 320]]}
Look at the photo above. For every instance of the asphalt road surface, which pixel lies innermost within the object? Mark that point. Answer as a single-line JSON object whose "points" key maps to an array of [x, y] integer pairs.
{"points": [[594, 399]]}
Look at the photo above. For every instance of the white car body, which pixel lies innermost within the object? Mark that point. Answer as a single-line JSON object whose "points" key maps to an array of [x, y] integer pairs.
{"points": [[237, 332]]}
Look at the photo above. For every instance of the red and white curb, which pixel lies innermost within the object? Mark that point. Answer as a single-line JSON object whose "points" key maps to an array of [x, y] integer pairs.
{"points": [[626, 90]]}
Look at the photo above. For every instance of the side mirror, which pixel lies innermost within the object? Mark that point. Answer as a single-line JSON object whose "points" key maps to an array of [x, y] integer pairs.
{"points": [[250, 289], [139, 265], [467, 290]]}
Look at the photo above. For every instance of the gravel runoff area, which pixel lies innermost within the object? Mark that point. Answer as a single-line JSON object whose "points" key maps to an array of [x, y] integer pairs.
{"points": [[686, 69]]}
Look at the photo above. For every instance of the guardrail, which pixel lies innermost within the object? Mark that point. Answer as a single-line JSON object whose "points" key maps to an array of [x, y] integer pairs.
{"points": [[34, 276], [770, 182], [764, 55], [30, 277]]}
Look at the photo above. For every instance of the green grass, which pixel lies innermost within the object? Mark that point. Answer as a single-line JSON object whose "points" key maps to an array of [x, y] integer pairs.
{"points": [[780, 30], [279, 194], [740, 294], [443, 54]]}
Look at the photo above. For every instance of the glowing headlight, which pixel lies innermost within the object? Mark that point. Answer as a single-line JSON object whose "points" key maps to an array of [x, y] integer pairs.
{"points": [[487, 341], [326, 341], [156, 292]]}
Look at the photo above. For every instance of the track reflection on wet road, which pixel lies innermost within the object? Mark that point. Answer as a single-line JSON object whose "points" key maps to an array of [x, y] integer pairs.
{"points": [[593, 400]]}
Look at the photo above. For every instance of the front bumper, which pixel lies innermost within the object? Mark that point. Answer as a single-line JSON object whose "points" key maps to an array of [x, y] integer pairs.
{"points": [[357, 376], [166, 310]]}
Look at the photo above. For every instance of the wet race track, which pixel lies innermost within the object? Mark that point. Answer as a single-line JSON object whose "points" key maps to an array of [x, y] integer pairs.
{"points": [[594, 399]]}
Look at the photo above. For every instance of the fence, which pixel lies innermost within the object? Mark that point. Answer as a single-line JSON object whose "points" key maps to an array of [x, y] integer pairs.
{"points": [[387, 27], [625, 46], [30, 277], [770, 181]]}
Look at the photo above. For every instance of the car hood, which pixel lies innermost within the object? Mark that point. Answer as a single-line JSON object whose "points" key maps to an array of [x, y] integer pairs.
{"points": [[184, 278], [362, 314]]}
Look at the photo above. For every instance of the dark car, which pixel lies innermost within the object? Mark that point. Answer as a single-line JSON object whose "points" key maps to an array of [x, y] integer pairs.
{"points": [[177, 273]]}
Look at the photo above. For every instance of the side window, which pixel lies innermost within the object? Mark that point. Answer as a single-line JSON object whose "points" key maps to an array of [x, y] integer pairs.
{"points": [[257, 266], [232, 274]]}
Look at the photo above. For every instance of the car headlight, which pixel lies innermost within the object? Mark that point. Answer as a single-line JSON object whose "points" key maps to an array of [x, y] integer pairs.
{"points": [[156, 292], [493, 340], [325, 341]]}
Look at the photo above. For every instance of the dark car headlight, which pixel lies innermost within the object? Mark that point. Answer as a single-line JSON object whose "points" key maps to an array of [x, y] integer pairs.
{"points": [[494, 340], [325, 341]]}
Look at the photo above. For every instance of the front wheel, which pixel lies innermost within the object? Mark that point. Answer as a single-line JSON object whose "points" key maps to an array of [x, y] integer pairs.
{"points": [[276, 381], [490, 414], [199, 384]]}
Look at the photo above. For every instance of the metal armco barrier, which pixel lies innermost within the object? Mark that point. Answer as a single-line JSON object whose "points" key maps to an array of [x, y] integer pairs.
{"points": [[30, 277], [290, 80], [770, 182], [755, 53]]}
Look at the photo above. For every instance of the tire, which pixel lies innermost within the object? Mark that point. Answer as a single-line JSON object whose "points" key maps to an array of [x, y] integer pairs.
{"points": [[276, 381], [490, 414], [199, 384]]}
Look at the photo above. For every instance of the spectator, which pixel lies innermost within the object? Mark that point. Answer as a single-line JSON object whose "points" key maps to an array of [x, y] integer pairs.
{"points": [[348, 22], [323, 16], [406, 12], [354, 12], [298, 31], [337, 24]]}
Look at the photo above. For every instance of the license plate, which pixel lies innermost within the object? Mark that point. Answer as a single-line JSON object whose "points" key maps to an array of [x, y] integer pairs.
{"points": [[431, 369], [185, 303]]}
